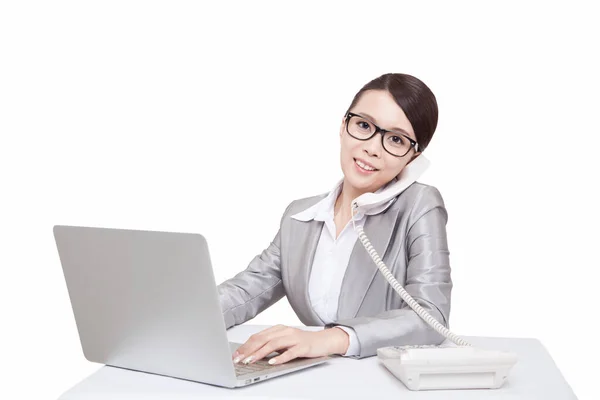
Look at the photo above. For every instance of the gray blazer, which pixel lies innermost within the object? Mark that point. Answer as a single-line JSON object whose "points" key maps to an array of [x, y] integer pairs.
{"points": [[410, 236]]}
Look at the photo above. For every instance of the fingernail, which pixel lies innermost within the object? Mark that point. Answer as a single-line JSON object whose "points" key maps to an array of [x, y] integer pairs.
{"points": [[272, 361], [248, 360], [237, 359]]}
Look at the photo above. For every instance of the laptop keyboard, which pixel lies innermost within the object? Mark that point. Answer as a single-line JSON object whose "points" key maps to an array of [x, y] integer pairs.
{"points": [[261, 365]]}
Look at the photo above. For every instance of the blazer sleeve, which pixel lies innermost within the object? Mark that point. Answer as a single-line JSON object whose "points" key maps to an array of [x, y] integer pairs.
{"points": [[428, 281], [255, 289]]}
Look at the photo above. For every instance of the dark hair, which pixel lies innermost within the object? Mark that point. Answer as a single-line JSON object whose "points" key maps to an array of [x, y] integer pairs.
{"points": [[414, 97]]}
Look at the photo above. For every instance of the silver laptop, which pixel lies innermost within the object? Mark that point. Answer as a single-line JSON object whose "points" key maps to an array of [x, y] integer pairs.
{"points": [[147, 301]]}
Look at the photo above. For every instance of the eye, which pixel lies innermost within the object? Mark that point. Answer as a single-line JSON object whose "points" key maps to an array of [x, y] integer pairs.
{"points": [[364, 125], [397, 139]]}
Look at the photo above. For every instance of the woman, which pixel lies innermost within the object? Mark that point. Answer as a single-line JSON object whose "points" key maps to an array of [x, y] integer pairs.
{"points": [[317, 262]]}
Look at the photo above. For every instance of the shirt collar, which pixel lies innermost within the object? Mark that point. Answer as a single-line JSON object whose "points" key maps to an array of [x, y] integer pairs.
{"points": [[324, 208]]}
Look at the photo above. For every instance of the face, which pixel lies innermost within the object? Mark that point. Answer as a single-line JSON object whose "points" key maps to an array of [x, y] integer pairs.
{"points": [[385, 113]]}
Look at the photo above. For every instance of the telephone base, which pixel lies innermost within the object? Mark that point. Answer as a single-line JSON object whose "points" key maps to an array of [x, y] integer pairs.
{"points": [[440, 367]]}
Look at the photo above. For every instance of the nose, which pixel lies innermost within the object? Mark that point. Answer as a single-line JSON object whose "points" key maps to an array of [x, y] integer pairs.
{"points": [[373, 146]]}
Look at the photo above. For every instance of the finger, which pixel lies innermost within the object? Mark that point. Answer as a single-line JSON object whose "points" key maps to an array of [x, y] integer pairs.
{"points": [[292, 353], [257, 341], [280, 343]]}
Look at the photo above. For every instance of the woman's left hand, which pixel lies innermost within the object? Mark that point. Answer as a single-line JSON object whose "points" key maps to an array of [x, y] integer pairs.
{"points": [[296, 342]]}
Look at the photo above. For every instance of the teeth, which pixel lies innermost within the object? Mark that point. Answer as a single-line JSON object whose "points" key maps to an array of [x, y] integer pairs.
{"points": [[364, 166]]}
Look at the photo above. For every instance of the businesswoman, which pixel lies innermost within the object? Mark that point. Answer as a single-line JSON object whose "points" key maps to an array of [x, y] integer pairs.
{"points": [[316, 260]]}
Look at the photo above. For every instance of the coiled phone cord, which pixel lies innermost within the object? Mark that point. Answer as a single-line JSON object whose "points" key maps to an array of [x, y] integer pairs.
{"points": [[400, 290]]}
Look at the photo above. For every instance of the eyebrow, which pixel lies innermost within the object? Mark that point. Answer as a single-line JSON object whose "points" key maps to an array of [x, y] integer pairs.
{"points": [[395, 129]]}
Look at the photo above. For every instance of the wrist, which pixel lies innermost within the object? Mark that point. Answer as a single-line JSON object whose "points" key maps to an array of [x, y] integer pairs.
{"points": [[340, 340]]}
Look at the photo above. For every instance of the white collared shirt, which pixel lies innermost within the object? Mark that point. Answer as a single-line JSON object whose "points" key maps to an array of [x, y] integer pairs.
{"points": [[332, 256]]}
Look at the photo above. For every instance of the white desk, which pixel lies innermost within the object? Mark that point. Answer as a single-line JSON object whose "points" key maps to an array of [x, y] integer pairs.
{"points": [[535, 376]]}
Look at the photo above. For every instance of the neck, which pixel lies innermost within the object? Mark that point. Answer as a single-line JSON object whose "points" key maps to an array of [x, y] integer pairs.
{"points": [[344, 200]]}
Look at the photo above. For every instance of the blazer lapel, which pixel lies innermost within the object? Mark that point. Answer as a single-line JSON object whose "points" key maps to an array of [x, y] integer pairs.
{"points": [[302, 253], [361, 268]]}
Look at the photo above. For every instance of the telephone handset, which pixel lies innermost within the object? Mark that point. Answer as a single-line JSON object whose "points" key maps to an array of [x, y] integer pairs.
{"points": [[448, 366]]}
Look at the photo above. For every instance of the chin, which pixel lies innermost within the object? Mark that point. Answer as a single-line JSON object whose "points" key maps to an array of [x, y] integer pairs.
{"points": [[360, 182]]}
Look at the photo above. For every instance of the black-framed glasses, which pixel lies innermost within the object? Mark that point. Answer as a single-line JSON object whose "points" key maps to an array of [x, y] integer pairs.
{"points": [[396, 143]]}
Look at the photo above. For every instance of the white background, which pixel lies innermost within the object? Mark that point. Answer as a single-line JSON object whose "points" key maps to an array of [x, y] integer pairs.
{"points": [[185, 117]]}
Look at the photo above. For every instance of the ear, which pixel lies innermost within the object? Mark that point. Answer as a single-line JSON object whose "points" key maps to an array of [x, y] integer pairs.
{"points": [[413, 157]]}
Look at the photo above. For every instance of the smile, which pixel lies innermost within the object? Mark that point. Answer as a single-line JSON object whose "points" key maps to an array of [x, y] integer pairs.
{"points": [[365, 168]]}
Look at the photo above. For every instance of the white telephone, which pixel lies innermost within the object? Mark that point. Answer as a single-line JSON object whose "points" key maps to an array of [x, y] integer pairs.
{"points": [[455, 365]]}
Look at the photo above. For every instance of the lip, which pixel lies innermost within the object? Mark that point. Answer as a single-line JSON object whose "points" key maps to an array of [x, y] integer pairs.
{"points": [[363, 171], [366, 163]]}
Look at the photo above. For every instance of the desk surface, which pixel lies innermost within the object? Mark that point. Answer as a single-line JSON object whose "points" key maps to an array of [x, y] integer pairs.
{"points": [[535, 376]]}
